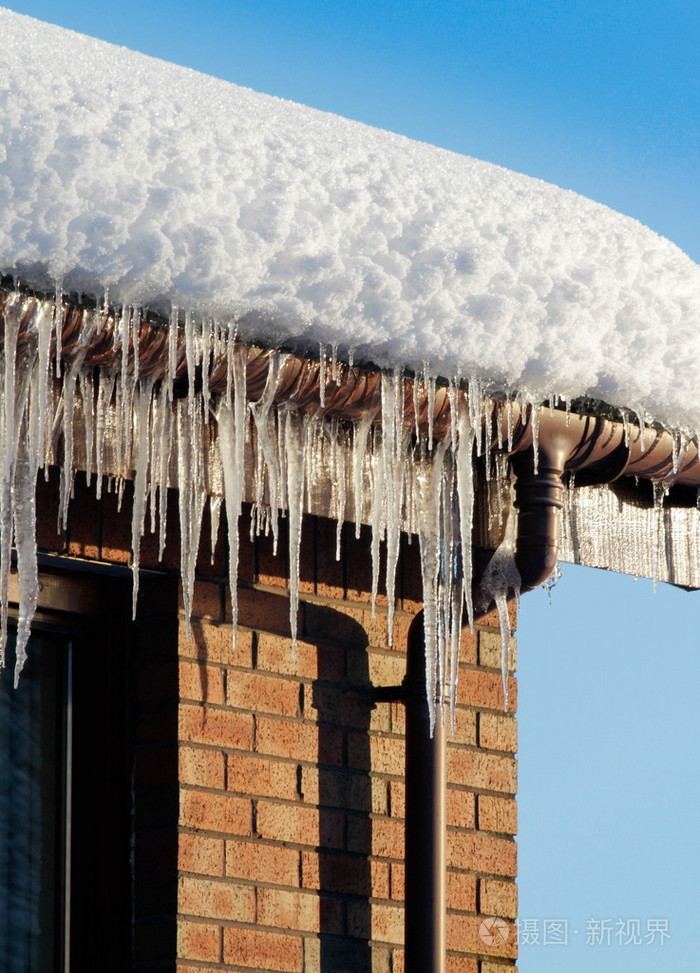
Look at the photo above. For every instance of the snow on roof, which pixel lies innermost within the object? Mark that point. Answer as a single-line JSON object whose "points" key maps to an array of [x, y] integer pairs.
{"points": [[165, 186]]}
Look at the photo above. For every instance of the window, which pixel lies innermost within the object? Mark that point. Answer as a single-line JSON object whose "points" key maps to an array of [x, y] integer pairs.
{"points": [[65, 810]]}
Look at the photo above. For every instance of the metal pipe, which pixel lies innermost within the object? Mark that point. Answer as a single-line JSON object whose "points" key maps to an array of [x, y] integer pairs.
{"points": [[426, 819]]}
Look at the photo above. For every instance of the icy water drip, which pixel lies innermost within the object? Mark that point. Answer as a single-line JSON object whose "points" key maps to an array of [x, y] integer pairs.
{"points": [[127, 422]]}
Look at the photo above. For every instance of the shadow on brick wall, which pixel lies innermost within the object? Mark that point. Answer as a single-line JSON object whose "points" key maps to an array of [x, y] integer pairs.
{"points": [[344, 789]]}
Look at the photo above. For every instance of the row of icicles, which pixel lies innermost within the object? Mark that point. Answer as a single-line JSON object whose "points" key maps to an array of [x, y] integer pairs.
{"points": [[122, 425]]}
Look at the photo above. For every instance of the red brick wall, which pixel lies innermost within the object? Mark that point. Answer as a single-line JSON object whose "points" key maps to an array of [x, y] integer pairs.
{"points": [[269, 798]]}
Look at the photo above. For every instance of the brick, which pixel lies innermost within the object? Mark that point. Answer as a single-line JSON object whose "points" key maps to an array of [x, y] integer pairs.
{"points": [[212, 643], [482, 853], [313, 661], [498, 814], [462, 964], [491, 620], [198, 941], [498, 732], [387, 755], [217, 727], [298, 741], [468, 647], [329, 572], [490, 651], [212, 899], [301, 911], [312, 955], [299, 825], [485, 690], [206, 600], [338, 789], [488, 967], [221, 813], [262, 950], [468, 935], [486, 771], [262, 693], [199, 767], [258, 862], [332, 705], [381, 923], [397, 881], [385, 668], [461, 808], [201, 683], [266, 611], [498, 898], [341, 624], [346, 874], [464, 727], [461, 892], [200, 854], [381, 837], [397, 798], [261, 777]]}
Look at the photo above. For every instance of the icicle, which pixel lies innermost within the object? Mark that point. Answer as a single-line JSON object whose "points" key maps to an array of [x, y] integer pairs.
{"points": [[334, 362], [430, 386], [105, 391], [392, 470], [205, 357], [501, 600], [501, 577], [191, 497], [172, 351], [138, 511], [9, 425], [58, 325], [24, 516], [70, 378], [377, 519], [416, 406], [190, 359], [232, 436], [164, 446], [136, 340], [536, 410], [509, 417], [429, 482], [265, 426], [40, 384], [360, 438], [322, 374], [625, 426], [87, 395], [661, 488], [295, 447], [215, 503], [465, 493]]}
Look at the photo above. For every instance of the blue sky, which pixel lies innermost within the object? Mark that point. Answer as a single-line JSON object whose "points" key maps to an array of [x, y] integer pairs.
{"points": [[602, 97]]}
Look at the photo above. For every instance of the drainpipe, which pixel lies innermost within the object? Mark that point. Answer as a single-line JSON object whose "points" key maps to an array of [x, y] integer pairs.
{"points": [[426, 819]]}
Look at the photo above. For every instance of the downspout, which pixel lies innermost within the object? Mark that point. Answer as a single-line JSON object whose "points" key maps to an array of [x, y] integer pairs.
{"points": [[539, 499]]}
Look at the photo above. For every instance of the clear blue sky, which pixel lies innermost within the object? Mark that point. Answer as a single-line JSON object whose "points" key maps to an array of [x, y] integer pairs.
{"points": [[602, 97]]}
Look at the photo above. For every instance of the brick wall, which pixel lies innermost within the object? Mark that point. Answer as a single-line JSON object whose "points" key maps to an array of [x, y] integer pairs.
{"points": [[269, 792]]}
